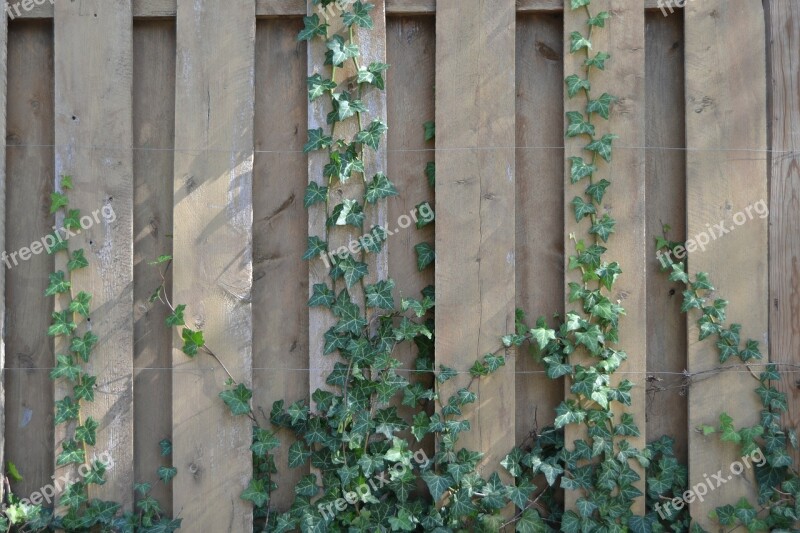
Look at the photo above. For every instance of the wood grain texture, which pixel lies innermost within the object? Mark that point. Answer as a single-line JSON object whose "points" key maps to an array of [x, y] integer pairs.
{"points": [[153, 164], [726, 173], [784, 249], [411, 52], [280, 342], [539, 205], [93, 137], [372, 47], [29, 139], [666, 204], [623, 38], [3, 116], [213, 218], [475, 223]]}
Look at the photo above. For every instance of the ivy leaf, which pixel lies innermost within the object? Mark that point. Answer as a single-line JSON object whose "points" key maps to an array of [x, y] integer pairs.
{"points": [[166, 447], [256, 492], [317, 86], [627, 426], [317, 140], [298, 454], [65, 368], [237, 399], [73, 219], [602, 146], [66, 410], [57, 284], [577, 4], [379, 187], [379, 295], [750, 351], [87, 432], [176, 317], [598, 61], [445, 373], [351, 320], [359, 16], [315, 194], [426, 255], [582, 208], [62, 324], [578, 126], [599, 20], [430, 173], [72, 452], [77, 261], [322, 296], [80, 304], [341, 51], [351, 270], [603, 228], [601, 106], [430, 130], [344, 107], [542, 336], [371, 136], [349, 212], [57, 201], [167, 473], [437, 484], [83, 346], [313, 27], [373, 74], [578, 41], [597, 190], [263, 441], [316, 248], [580, 169], [85, 389], [192, 341], [575, 84]]}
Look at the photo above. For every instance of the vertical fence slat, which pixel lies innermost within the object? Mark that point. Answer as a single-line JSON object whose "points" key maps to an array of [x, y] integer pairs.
{"points": [[623, 38], [3, 100], [372, 48], [93, 136], [784, 82], [726, 172], [212, 274], [280, 316], [475, 224], [153, 131]]}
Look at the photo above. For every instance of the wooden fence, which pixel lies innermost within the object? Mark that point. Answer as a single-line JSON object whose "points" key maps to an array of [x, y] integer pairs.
{"points": [[189, 118]]}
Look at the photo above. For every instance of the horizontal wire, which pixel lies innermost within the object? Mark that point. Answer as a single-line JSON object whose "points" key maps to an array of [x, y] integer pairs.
{"points": [[687, 374], [402, 150]]}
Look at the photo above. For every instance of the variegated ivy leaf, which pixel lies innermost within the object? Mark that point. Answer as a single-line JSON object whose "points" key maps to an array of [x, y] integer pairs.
{"points": [[380, 187], [313, 26]]}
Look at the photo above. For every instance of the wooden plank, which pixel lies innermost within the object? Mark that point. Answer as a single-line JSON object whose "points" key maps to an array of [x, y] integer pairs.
{"points": [[3, 85], [153, 164], [296, 8], [280, 350], [666, 203], [475, 237], [410, 49], [540, 245], [784, 249], [372, 47], [726, 173], [93, 84], [623, 38], [213, 218], [29, 140]]}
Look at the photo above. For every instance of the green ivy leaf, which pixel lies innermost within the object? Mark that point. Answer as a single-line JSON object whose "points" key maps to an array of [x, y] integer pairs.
{"points": [[340, 50], [81, 303], [192, 341], [298, 454], [603, 228], [575, 84], [166, 447], [578, 42], [577, 125], [57, 284], [430, 130], [597, 190], [176, 319], [379, 295], [83, 346], [66, 410], [87, 432], [379, 187], [601, 106], [598, 61], [426, 255], [580, 169], [73, 219], [77, 261], [322, 296], [430, 173], [317, 86], [237, 399], [359, 16], [62, 324], [371, 136], [582, 208], [315, 194], [66, 368], [72, 452], [263, 441], [317, 140], [577, 4], [84, 390], [313, 27], [316, 248], [57, 201], [167, 473], [256, 492], [599, 20], [602, 146]]}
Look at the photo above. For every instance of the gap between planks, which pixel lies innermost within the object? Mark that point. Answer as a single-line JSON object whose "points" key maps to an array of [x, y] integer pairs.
{"points": [[155, 9]]}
